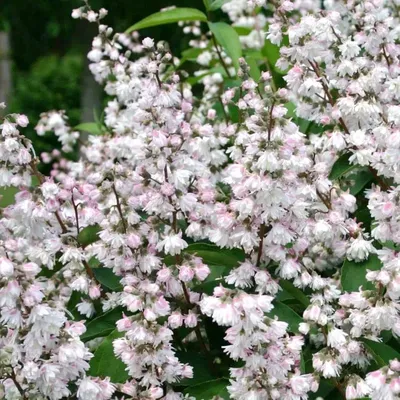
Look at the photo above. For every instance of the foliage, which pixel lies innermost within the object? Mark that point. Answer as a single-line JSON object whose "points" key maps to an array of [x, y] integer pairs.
{"points": [[230, 229]]}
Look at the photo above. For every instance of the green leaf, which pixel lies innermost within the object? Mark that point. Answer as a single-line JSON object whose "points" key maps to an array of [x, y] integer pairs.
{"points": [[255, 72], [271, 53], [213, 255], [381, 352], [207, 390], [107, 278], [242, 30], [295, 292], [105, 363], [92, 127], [169, 17], [190, 55], [286, 314], [325, 388], [291, 110], [341, 167], [228, 38], [89, 235], [102, 325], [353, 273], [216, 4], [201, 368], [7, 196], [361, 179], [218, 272], [72, 303]]}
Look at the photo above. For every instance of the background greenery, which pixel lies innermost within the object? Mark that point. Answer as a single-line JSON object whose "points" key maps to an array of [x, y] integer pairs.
{"points": [[48, 48]]}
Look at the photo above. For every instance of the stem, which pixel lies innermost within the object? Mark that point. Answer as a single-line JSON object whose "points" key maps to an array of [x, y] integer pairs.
{"points": [[326, 201], [16, 383], [381, 182], [88, 270], [119, 208], [76, 214], [220, 56], [270, 122], [223, 110], [197, 329], [328, 93], [158, 80], [261, 243]]}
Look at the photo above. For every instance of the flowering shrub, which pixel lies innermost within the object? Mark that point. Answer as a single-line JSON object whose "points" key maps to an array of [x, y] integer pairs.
{"points": [[226, 234]]}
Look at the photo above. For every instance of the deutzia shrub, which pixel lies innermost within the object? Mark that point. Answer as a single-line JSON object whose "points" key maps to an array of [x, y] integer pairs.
{"points": [[231, 232]]}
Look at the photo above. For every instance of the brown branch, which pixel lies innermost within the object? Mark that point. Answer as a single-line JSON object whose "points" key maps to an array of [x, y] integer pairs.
{"points": [[270, 122], [220, 56], [76, 214], [120, 209], [261, 244]]}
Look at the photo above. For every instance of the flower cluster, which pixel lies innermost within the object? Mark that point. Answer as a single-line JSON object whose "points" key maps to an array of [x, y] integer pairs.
{"points": [[237, 226]]}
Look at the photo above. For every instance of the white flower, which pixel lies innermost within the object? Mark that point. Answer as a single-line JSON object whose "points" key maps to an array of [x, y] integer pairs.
{"points": [[86, 308], [172, 244], [6, 267], [148, 42], [360, 249], [336, 338]]}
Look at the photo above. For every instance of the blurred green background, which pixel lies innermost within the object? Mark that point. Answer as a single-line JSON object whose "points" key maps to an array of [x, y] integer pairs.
{"points": [[43, 63]]}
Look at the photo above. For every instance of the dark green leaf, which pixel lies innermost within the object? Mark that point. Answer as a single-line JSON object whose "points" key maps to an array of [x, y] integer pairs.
{"points": [[361, 179], [353, 273], [381, 352], [105, 363], [325, 388], [341, 167], [169, 17], [214, 279], [270, 52], [228, 38], [72, 303], [286, 314], [207, 390], [107, 278], [91, 127], [102, 325], [190, 55], [213, 255], [201, 367], [89, 235], [295, 292]]}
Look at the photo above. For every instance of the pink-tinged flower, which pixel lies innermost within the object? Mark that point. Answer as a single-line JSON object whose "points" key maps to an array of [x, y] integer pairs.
{"points": [[6, 267]]}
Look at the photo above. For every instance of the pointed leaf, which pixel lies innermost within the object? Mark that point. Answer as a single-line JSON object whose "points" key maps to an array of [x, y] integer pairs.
{"points": [[341, 167], [207, 390], [353, 273], [295, 292], [91, 127], [89, 235], [216, 4], [213, 255], [105, 363], [169, 16], [381, 352], [107, 278], [286, 314], [228, 38], [102, 325]]}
